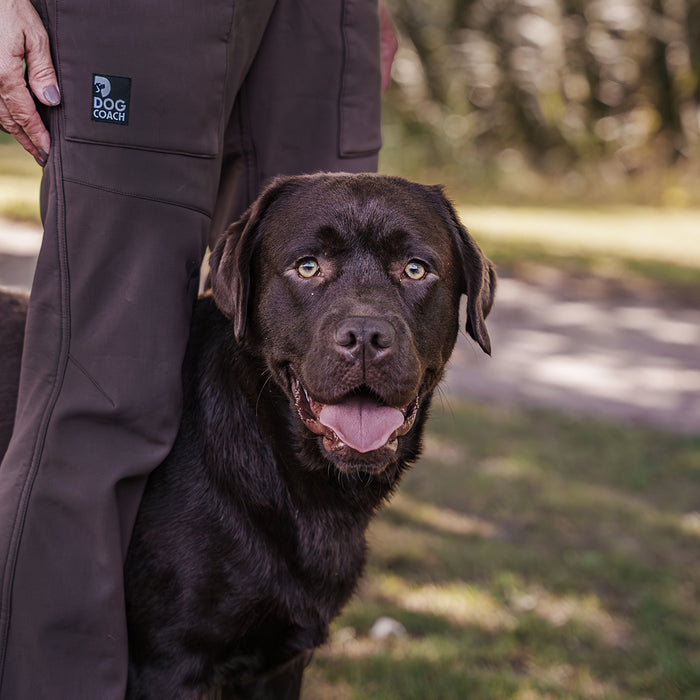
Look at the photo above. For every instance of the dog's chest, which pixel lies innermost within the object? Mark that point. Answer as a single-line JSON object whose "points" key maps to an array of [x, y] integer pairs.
{"points": [[311, 565], [278, 601]]}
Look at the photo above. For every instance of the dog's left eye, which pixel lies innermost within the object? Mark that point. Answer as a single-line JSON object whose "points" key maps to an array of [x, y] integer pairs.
{"points": [[415, 270], [308, 267]]}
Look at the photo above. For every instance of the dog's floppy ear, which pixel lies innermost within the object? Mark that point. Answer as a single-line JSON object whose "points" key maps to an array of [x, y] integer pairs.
{"points": [[231, 259], [479, 276]]}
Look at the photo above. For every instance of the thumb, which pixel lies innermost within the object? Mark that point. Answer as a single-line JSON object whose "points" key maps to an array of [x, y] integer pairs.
{"points": [[40, 71]]}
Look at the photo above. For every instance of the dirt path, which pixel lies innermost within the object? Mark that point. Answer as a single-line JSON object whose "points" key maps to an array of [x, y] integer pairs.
{"points": [[628, 360]]}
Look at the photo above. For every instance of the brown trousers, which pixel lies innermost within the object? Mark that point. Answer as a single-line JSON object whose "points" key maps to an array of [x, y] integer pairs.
{"points": [[174, 114]]}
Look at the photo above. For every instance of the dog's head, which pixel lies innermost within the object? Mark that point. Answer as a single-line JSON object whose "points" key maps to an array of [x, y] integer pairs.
{"points": [[348, 287]]}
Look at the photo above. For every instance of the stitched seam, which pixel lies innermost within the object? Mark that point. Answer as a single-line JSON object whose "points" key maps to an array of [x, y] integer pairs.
{"points": [[90, 378], [148, 149], [36, 455], [253, 180], [136, 195], [61, 362], [227, 73], [343, 68]]}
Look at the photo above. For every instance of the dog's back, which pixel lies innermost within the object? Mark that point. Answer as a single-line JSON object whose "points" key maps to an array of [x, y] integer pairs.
{"points": [[13, 310]]}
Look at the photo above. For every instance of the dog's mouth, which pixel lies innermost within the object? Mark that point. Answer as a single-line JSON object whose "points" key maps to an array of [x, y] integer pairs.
{"points": [[359, 421]]}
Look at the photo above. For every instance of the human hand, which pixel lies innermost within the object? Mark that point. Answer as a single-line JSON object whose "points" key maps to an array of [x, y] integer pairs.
{"points": [[388, 44], [23, 37]]}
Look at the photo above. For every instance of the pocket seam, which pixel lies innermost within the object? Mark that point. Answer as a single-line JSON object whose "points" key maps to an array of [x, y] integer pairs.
{"points": [[136, 195], [137, 147]]}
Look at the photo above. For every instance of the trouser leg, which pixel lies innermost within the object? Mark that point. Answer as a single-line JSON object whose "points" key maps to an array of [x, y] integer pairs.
{"points": [[127, 207], [94, 419], [311, 101]]}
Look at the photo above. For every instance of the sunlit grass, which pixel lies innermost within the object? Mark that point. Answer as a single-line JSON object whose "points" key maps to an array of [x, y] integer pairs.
{"points": [[19, 199], [643, 251], [455, 601], [658, 234], [530, 556]]}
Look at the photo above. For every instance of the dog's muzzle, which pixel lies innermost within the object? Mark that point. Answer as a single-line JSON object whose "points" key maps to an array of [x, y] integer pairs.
{"points": [[357, 422]]}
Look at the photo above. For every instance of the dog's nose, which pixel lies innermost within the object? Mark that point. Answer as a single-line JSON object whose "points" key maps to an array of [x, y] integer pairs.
{"points": [[365, 336]]}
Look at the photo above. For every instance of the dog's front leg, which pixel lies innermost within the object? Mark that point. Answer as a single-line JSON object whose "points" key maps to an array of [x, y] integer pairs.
{"points": [[283, 683]]}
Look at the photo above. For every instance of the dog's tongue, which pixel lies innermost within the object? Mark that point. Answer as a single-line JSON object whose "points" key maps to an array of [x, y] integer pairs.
{"points": [[361, 423]]}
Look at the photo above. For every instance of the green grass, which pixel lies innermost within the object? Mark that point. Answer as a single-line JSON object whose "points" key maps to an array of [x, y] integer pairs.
{"points": [[645, 233], [530, 556]]}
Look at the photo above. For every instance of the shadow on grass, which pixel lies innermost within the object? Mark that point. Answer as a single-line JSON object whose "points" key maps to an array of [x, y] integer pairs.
{"points": [[530, 556]]}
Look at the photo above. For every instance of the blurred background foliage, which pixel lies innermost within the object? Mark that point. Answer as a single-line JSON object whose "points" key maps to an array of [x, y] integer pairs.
{"points": [[548, 99]]}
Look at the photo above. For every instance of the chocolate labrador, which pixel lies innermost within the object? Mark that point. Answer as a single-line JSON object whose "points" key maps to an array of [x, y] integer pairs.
{"points": [[310, 370]]}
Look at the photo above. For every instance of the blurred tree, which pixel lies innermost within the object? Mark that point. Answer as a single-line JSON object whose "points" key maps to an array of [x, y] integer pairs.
{"points": [[552, 82]]}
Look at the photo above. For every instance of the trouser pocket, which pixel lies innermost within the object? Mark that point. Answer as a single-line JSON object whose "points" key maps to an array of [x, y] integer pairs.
{"points": [[143, 74]]}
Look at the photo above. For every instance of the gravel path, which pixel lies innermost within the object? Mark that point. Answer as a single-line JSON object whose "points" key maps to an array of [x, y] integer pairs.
{"points": [[628, 360]]}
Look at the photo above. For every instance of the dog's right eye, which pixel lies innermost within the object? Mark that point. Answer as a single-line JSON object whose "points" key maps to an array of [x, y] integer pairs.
{"points": [[308, 267], [415, 270]]}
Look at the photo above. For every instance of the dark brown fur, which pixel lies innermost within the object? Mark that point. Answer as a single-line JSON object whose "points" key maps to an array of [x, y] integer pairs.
{"points": [[251, 535]]}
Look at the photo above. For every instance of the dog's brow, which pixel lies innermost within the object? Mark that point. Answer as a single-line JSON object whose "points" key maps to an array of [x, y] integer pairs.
{"points": [[403, 242], [331, 239], [324, 240]]}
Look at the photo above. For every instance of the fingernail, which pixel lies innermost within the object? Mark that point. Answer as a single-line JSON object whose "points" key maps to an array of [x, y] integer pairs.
{"points": [[42, 158], [52, 95]]}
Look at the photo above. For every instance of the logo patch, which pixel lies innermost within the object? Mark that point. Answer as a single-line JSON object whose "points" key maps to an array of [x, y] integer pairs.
{"points": [[111, 95]]}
